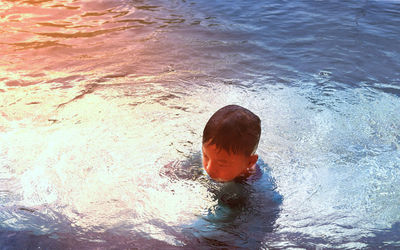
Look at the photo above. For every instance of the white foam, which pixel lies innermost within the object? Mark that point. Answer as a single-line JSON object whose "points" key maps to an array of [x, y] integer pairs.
{"points": [[335, 164]]}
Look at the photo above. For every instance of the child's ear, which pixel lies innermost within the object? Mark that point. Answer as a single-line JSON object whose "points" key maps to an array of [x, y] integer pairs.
{"points": [[253, 160]]}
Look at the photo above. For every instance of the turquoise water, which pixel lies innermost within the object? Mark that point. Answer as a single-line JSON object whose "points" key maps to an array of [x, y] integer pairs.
{"points": [[97, 97]]}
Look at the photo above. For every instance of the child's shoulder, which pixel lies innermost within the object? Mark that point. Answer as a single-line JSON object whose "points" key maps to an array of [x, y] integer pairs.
{"points": [[268, 183]]}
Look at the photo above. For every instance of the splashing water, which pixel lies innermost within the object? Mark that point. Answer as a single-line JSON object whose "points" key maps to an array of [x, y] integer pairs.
{"points": [[97, 97]]}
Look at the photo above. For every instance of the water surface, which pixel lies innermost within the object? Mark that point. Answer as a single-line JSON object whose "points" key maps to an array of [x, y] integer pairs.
{"points": [[97, 96]]}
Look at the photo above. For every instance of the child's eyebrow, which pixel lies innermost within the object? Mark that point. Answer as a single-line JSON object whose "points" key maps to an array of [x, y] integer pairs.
{"points": [[222, 161]]}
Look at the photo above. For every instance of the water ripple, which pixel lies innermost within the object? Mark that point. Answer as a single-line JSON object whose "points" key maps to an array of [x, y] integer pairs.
{"points": [[97, 96]]}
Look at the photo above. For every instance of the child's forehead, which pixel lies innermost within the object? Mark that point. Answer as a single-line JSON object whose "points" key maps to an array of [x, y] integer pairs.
{"points": [[221, 152]]}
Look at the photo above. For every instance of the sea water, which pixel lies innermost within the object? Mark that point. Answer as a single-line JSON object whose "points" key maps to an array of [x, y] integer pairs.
{"points": [[97, 97]]}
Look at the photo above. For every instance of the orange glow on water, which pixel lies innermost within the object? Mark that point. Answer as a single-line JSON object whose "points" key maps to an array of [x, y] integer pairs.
{"points": [[54, 51], [85, 104]]}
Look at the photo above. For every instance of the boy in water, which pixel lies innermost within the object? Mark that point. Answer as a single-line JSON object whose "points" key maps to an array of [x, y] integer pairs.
{"points": [[230, 140], [246, 203]]}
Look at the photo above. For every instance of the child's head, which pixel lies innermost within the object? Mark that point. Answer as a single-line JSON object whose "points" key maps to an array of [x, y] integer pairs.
{"points": [[230, 139]]}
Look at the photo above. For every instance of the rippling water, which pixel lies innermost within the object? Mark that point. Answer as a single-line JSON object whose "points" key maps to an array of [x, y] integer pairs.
{"points": [[97, 96]]}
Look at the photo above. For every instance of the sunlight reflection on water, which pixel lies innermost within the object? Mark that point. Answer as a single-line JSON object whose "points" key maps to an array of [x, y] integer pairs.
{"points": [[99, 147], [97, 97]]}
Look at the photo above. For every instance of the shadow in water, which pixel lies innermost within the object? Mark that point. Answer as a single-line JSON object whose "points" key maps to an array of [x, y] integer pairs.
{"points": [[28, 240], [387, 238]]}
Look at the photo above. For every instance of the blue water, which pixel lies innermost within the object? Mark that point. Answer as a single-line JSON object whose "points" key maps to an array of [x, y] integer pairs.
{"points": [[97, 97]]}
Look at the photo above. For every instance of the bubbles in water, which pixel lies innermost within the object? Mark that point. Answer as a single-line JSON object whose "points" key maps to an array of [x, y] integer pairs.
{"points": [[335, 166]]}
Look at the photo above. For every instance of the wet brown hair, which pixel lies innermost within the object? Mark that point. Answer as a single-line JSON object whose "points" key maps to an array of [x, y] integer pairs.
{"points": [[234, 129]]}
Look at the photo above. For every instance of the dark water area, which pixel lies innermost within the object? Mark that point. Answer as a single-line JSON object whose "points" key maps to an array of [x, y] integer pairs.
{"points": [[355, 43], [98, 97]]}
